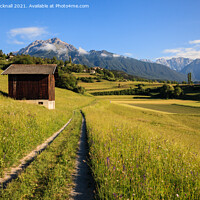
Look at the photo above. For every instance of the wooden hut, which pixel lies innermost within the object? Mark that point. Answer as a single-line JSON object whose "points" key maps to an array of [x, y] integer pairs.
{"points": [[34, 83]]}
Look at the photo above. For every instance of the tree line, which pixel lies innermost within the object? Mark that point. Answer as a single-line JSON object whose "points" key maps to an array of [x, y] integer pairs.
{"points": [[166, 91]]}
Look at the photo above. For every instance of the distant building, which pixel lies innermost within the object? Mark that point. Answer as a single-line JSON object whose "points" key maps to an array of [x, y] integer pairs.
{"points": [[95, 68], [11, 56], [34, 83], [92, 72]]}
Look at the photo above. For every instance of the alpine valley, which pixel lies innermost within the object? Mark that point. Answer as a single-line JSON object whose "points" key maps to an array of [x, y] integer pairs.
{"points": [[62, 50]]}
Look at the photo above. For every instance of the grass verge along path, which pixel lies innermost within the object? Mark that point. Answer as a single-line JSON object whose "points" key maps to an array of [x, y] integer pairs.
{"points": [[50, 174], [8, 177], [138, 154]]}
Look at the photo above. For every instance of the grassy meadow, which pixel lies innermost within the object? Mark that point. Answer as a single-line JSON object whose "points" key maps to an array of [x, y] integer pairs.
{"points": [[122, 97], [83, 75], [170, 108], [50, 175], [105, 85], [167, 106], [141, 154], [24, 126], [140, 148]]}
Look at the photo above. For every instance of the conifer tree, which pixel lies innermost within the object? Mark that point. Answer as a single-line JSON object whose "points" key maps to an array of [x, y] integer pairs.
{"points": [[189, 78]]}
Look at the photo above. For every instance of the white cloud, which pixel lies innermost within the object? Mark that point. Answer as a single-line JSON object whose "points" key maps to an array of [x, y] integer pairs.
{"points": [[17, 42], [82, 51], [27, 33], [20, 35], [172, 50], [194, 42], [116, 55], [192, 52], [128, 54], [52, 47], [48, 47], [62, 51], [104, 55]]}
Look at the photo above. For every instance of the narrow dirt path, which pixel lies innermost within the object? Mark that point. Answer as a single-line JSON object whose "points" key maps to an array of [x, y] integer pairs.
{"points": [[84, 182]]}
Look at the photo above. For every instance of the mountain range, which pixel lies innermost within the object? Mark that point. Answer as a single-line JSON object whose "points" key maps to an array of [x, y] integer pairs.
{"points": [[62, 50], [194, 68], [183, 65], [175, 63]]}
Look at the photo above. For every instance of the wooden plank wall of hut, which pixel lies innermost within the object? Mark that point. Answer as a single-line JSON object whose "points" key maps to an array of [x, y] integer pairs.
{"points": [[28, 86], [51, 88]]}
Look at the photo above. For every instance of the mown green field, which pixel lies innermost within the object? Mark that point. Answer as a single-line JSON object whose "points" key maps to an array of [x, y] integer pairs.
{"points": [[140, 154], [123, 97], [83, 75], [166, 106], [170, 108], [105, 85], [191, 104]]}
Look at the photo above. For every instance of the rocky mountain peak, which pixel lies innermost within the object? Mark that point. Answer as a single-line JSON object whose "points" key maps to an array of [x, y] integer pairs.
{"points": [[175, 63], [54, 44], [55, 41]]}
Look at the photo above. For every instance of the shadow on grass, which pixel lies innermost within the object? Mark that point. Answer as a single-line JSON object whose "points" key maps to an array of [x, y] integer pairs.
{"points": [[140, 97], [3, 93]]}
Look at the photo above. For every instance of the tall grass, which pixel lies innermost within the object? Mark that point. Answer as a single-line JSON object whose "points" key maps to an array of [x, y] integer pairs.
{"points": [[24, 126], [50, 175], [3, 82], [142, 155]]}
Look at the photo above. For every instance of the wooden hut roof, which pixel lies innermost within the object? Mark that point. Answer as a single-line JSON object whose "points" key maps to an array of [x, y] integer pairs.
{"points": [[30, 69]]}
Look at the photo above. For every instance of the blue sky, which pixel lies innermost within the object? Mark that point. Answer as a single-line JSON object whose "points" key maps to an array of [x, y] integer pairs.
{"points": [[138, 28]]}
